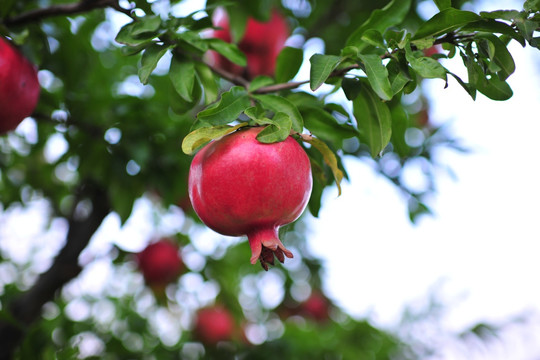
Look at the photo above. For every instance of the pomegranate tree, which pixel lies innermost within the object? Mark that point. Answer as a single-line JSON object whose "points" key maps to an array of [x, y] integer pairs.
{"points": [[160, 263], [261, 43], [213, 324], [19, 87], [240, 186]]}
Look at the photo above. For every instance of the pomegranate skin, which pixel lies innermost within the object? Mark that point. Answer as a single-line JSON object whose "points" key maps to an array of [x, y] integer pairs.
{"points": [[19, 87], [213, 324], [261, 43], [240, 186], [160, 263]]}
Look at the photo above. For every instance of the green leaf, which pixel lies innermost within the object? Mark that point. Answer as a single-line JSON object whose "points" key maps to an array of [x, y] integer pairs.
{"points": [[201, 136], [444, 22], [397, 75], [509, 15], [351, 87], [493, 26], [182, 75], [192, 42], [325, 126], [208, 81], [321, 68], [527, 29], [381, 19], [149, 60], [377, 75], [501, 57], [180, 105], [531, 5], [280, 104], [425, 66], [237, 24], [373, 119], [278, 130], [122, 200], [259, 82], [374, 37], [493, 88], [329, 159], [230, 106], [140, 31], [471, 90], [230, 51], [443, 4], [147, 24], [257, 114], [349, 52], [288, 63]]}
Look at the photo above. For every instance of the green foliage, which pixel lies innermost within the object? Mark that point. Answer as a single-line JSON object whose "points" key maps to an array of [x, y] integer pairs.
{"points": [[126, 108]]}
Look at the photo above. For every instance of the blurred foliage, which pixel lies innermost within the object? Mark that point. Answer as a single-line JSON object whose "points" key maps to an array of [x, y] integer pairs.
{"points": [[96, 123]]}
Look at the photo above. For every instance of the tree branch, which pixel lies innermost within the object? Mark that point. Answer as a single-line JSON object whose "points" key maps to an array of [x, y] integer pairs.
{"points": [[26, 308], [64, 9]]}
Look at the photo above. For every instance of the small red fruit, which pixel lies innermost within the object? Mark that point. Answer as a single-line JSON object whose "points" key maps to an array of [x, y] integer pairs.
{"points": [[430, 51], [19, 87], [212, 325], [240, 186], [160, 263], [262, 43], [316, 307]]}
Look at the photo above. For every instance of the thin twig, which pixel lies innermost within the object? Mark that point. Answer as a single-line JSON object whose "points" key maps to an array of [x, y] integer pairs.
{"points": [[64, 9]]}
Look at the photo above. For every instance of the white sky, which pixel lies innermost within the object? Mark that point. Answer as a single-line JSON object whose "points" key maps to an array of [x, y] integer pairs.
{"points": [[482, 243]]}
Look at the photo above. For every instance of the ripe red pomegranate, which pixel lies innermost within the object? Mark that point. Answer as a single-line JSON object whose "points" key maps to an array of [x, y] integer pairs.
{"points": [[240, 186], [160, 263], [435, 49], [316, 307], [213, 324], [261, 44], [19, 87]]}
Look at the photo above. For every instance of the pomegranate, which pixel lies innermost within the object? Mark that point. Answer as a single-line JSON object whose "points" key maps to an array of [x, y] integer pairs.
{"points": [[262, 43], [213, 324], [435, 49], [160, 263], [316, 307], [19, 87], [240, 186]]}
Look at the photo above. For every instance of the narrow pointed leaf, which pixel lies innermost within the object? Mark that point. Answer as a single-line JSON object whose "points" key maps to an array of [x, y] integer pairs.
{"points": [[182, 75], [321, 68], [377, 75], [208, 81], [280, 104], [201, 136], [493, 26], [425, 66], [259, 82], [229, 107], [374, 120], [329, 159], [501, 57], [288, 63], [149, 60], [230, 51], [444, 22], [443, 4], [278, 130], [381, 19]]}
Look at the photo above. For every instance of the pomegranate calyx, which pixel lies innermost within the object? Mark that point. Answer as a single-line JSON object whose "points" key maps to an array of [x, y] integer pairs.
{"points": [[265, 244]]}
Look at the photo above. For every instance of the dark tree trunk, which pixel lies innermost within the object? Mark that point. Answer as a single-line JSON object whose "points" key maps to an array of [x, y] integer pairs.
{"points": [[26, 308]]}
